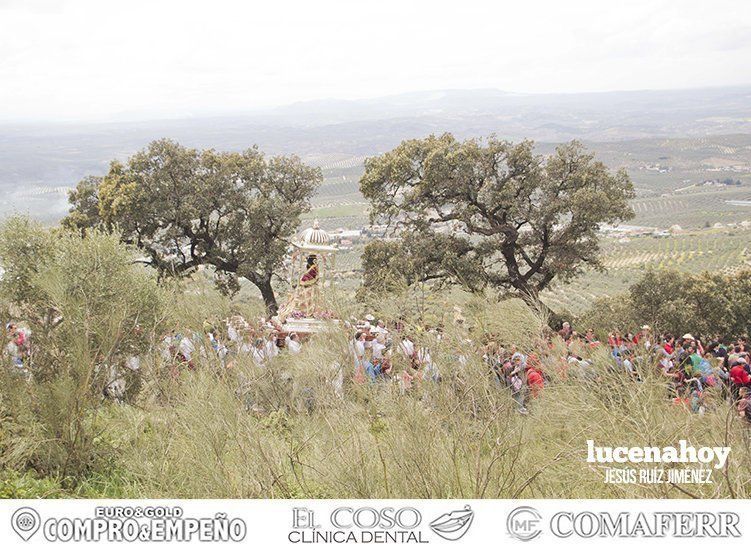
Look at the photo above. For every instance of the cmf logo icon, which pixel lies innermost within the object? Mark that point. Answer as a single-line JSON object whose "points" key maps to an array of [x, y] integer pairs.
{"points": [[523, 523]]}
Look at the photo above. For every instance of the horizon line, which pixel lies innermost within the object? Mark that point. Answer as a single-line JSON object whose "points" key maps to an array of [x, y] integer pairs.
{"points": [[144, 116]]}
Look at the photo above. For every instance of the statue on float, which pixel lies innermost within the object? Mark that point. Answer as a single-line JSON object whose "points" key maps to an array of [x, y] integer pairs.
{"points": [[312, 258], [310, 277]]}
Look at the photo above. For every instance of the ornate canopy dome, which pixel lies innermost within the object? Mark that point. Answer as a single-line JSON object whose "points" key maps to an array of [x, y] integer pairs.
{"points": [[311, 259], [314, 236]]}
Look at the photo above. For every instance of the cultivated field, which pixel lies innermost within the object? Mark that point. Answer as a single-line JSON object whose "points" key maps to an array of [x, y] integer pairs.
{"points": [[626, 260]]}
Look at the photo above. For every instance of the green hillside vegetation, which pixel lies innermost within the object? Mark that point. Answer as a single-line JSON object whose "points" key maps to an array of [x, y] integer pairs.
{"points": [[137, 261], [287, 430]]}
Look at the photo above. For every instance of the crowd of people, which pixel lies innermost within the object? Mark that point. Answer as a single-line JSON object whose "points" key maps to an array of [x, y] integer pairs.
{"points": [[382, 352], [693, 366], [262, 342], [374, 347]]}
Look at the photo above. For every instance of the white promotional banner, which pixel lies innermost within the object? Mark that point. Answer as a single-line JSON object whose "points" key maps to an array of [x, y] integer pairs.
{"points": [[370, 521]]}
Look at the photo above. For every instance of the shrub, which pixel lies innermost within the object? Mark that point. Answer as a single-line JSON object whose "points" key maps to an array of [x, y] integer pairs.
{"points": [[707, 304], [90, 308], [25, 247]]}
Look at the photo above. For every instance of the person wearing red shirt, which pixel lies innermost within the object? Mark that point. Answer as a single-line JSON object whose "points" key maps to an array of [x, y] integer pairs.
{"points": [[667, 345], [535, 381], [615, 339], [738, 374]]}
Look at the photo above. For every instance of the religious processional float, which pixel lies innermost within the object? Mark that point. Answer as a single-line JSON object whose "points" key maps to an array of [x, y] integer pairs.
{"points": [[304, 312]]}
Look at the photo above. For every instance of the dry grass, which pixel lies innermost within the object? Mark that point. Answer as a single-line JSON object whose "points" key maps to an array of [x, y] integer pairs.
{"points": [[301, 427], [287, 430]]}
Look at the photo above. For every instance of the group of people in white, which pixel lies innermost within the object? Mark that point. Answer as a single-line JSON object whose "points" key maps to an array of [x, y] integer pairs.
{"points": [[263, 343], [373, 348]]}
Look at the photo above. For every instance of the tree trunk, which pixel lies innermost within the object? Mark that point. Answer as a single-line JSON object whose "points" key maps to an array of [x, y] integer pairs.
{"points": [[269, 298], [532, 299]]}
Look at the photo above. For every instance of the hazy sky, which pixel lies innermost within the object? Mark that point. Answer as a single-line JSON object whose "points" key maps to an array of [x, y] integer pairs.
{"points": [[100, 59]]}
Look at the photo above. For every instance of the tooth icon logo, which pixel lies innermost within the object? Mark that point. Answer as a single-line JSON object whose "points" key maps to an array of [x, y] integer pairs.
{"points": [[454, 525]]}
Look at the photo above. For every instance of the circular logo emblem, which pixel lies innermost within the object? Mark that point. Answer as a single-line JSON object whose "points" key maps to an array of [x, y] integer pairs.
{"points": [[523, 523], [25, 522]]}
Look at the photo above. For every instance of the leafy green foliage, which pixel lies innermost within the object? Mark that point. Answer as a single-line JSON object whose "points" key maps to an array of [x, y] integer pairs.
{"points": [[84, 201], [186, 208], [102, 305], [493, 214], [393, 265], [89, 307], [25, 247], [608, 314], [708, 304]]}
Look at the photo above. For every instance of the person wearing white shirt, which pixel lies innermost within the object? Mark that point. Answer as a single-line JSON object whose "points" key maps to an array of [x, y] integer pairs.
{"points": [[247, 347], [166, 347], [408, 347], [359, 348], [271, 349], [186, 348], [293, 343], [380, 328], [232, 333], [258, 356], [256, 349], [133, 363], [378, 345], [423, 356]]}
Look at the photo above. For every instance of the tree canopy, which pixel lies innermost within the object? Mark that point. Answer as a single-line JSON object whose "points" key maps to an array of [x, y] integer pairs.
{"points": [[185, 208], [490, 213], [710, 304]]}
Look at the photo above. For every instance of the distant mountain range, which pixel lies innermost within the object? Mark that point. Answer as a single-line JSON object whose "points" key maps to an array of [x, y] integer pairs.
{"points": [[328, 131], [549, 117]]}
